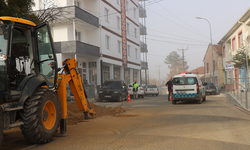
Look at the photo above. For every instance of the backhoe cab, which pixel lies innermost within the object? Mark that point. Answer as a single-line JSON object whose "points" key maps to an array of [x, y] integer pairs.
{"points": [[32, 95]]}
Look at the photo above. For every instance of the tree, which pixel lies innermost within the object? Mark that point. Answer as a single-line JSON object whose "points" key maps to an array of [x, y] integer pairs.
{"points": [[23, 9], [239, 59], [51, 12], [175, 64], [19, 9], [154, 81]]}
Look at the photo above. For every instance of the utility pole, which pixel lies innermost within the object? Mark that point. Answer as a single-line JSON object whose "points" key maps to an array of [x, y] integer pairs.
{"points": [[159, 66], [183, 58]]}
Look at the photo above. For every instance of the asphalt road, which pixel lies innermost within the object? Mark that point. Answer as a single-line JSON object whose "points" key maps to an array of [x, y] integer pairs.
{"points": [[154, 123]]}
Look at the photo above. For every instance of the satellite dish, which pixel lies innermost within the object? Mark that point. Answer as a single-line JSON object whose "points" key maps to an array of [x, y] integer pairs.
{"points": [[246, 35]]}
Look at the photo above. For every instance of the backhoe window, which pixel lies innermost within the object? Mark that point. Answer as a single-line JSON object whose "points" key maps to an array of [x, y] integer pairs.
{"points": [[46, 55], [3, 57]]}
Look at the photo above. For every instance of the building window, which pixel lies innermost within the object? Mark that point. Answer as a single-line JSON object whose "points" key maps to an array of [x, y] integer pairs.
{"points": [[77, 3], [92, 73], [106, 13], [106, 73], [135, 75], [224, 51], [240, 39], [107, 39], [127, 6], [214, 65], [207, 68], [136, 53], [117, 74], [119, 46], [134, 12], [128, 50], [127, 75], [233, 44], [118, 22], [78, 35], [135, 30], [127, 28]]}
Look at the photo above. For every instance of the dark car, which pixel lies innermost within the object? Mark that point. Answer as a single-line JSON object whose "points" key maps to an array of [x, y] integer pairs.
{"points": [[113, 90], [210, 88]]}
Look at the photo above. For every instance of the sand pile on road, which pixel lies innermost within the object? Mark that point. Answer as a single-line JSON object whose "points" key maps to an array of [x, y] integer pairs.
{"points": [[75, 115]]}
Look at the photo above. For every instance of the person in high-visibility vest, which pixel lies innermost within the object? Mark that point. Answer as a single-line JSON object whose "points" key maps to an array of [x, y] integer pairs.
{"points": [[135, 89]]}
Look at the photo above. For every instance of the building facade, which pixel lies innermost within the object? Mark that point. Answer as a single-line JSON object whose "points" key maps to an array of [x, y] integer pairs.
{"points": [[214, 70], [236, 39], [102, 35]]}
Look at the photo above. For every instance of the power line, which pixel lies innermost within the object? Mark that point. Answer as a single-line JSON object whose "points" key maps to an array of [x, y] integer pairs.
{"points": [[183, 21]]}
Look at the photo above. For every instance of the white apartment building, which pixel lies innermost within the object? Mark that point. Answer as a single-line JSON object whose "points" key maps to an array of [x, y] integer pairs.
{"points": [[103, 36]]}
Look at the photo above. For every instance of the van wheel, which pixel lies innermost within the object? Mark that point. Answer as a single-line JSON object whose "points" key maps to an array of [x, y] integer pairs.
{"points": [[41, 116], [204, 99], [199, 101]]}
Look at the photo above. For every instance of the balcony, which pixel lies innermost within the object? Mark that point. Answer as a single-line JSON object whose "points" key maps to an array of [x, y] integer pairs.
{"points": [[71, 12], [143, 30], [144, 47], [144, 65], [76, 47], [142, 12]]}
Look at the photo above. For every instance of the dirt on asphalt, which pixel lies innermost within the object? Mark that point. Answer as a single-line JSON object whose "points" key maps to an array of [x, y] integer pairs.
{"points": [[75, 115]]}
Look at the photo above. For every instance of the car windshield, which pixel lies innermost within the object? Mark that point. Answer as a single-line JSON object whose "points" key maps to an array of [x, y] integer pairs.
{"points": [[152, 86], [184, 81], [112, 85]]}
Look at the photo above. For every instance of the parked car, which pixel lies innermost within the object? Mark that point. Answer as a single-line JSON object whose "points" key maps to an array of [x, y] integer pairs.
{"points": [[115, 90], [140, 91], [210, 88], [151, 89], [188, 87]]}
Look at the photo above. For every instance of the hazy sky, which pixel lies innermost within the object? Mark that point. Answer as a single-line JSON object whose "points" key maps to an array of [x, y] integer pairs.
{"points": [[171, 25]]}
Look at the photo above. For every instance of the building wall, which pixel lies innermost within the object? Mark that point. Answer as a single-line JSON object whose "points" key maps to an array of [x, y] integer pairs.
{"points": [[115, 35], [89, 34]]}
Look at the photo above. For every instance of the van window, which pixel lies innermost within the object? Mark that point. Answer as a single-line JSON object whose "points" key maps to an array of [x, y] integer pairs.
{"points": [[184, 81], [112, 85], [152, 86]]}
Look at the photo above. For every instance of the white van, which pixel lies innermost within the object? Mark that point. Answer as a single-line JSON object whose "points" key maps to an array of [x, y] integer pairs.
{"points": [[187, 87]]}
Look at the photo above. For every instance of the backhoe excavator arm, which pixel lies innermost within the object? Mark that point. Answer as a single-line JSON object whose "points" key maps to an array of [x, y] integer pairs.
{"points": [[73, 77]]}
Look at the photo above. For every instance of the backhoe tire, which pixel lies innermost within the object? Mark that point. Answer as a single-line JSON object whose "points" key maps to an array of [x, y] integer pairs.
{"points": [[1, 128], [41, 116]]}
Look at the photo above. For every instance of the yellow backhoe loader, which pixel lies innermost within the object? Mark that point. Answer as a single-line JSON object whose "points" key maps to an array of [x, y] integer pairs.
{"points": [[32, 87]]}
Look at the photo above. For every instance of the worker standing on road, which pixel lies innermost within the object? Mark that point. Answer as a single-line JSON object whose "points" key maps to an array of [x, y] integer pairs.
{"points": [[135, 89], [169, 84]]}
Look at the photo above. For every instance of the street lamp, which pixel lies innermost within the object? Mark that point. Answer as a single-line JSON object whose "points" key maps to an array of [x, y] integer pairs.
{"points": [[211, 43]]}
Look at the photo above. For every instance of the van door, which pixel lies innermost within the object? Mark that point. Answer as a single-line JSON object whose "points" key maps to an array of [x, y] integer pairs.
{"points": [[185, 87]]}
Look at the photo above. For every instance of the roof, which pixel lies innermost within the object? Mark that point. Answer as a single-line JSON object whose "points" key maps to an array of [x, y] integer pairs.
{"points": [[199, 70], [243, 18], [216, 47], [219, 48], [19, 20]]}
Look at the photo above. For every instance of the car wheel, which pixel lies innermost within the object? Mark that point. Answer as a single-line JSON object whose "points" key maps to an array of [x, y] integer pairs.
{"points": [[173, 102], [157, 94], [120, 99], [143, 96]]}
